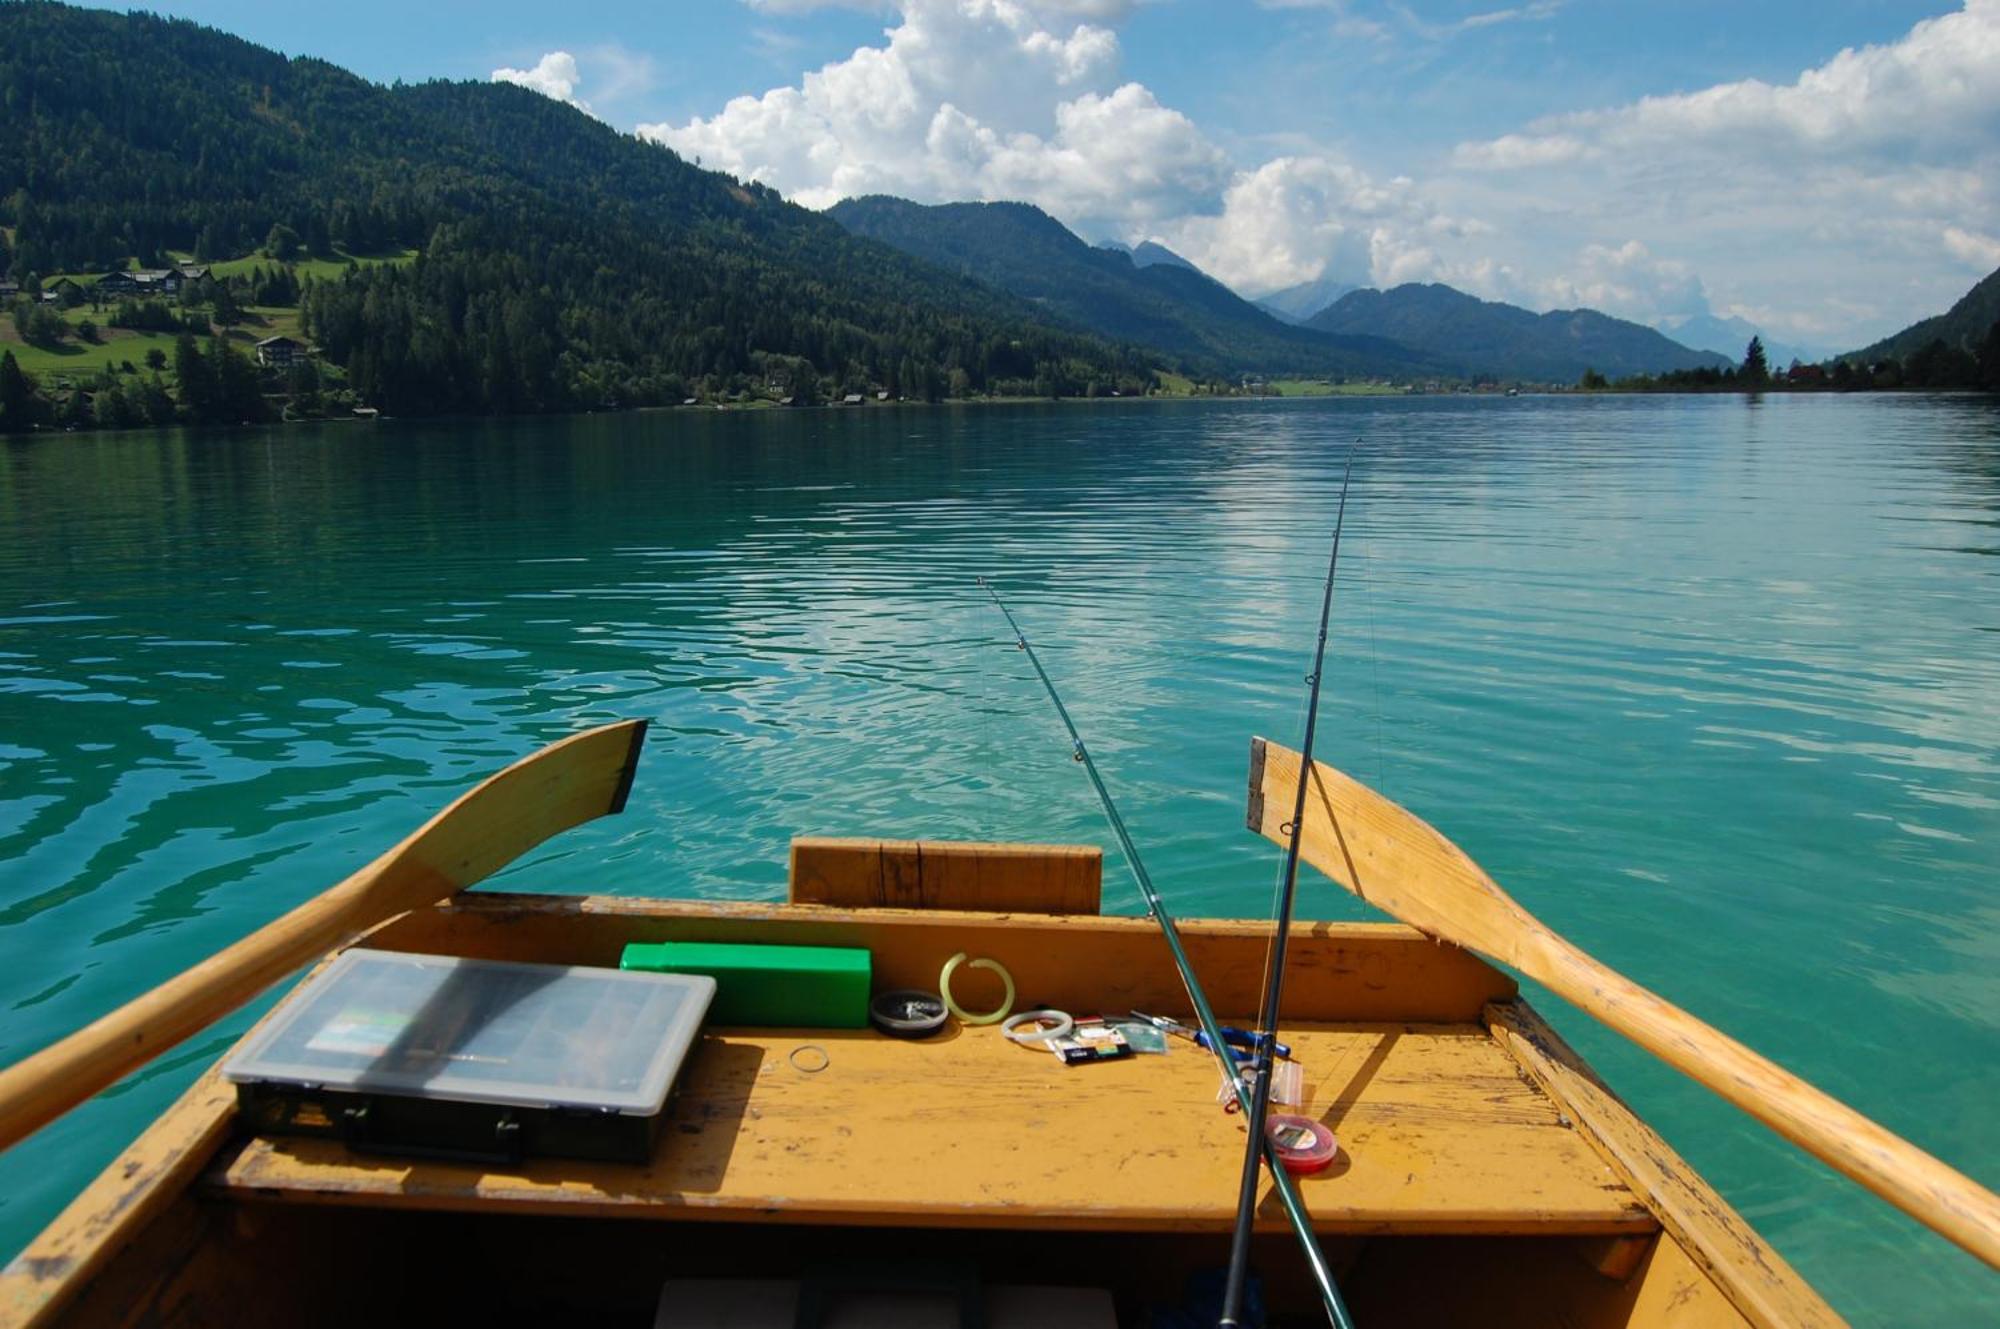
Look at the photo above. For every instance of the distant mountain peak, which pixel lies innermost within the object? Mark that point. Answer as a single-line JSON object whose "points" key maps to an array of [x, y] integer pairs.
{"points": [[1731, 336], [1149, 253], [1297, 304], [1507, 341], [1150, 296]]}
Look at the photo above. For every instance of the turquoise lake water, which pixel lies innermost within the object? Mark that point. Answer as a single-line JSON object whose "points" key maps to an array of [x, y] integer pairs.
{"points": [[1712, 685]]}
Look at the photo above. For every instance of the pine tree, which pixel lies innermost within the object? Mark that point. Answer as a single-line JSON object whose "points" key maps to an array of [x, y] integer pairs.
{"points": [[196, 379], [1756, 369], [17, 397]]}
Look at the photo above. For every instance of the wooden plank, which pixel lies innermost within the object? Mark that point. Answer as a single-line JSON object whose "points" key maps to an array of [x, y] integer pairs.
{"points": [[1337, 971], [943, 874], [115, 1209], [1715, 1238], [1442, 1134]]}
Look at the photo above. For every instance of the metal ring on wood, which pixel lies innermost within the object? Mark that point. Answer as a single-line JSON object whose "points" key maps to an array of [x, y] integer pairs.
{"points": [[944, 989], [1062, 1025], [825, 1058]]}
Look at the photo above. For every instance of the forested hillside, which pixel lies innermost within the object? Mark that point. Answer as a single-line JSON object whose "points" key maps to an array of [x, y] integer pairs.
{"points": [[1507, 341], [558, 264], [1964, 330], [1165, 304]]}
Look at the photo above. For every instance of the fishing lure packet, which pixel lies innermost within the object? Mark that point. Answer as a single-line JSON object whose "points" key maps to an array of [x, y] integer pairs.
{"points": [[1092, 1040]]}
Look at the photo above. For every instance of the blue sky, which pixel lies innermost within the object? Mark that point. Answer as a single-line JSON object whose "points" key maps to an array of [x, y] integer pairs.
{"points": [[1825, 171]]}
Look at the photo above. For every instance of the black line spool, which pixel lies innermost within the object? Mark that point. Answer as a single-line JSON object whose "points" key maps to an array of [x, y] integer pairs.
{"points": [[907, 1013]]}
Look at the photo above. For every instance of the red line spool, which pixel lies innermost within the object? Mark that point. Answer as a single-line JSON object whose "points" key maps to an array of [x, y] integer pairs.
{"points": [[1304, 1145]]}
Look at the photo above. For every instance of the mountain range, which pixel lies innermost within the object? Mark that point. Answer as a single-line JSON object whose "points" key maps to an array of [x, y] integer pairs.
{"points": [[559, 264], [1410, 331], [1166, 303], [1731, 337], [1506, 340], [478, 247]]}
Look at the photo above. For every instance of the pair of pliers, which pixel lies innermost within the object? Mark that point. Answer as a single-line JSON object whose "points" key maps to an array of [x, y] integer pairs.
{"points": [[1242, 1043]]}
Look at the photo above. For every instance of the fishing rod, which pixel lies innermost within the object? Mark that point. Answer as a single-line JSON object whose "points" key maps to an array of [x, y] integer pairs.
{"points": [[1260, 1102], [1288, 1192]]}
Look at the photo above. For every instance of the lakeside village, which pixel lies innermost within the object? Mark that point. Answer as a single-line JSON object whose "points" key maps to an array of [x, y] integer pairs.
{"points": [[228, 343]]}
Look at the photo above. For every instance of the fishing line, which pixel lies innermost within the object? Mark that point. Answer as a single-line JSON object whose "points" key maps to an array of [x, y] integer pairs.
{"points": [[1278, 868], [1267, 1034], [1287, 1189], [1374, 657]]}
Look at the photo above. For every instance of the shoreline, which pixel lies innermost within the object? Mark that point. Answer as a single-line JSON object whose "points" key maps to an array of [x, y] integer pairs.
{"points": [[969, 403]]}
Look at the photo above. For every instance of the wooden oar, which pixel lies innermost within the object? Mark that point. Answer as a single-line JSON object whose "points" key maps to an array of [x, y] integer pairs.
{"points": [[1398, 863], [563, 785]]}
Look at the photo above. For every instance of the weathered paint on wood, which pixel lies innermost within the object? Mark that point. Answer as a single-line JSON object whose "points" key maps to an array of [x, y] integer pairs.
{"points": [[114, 1209], [944, 874], [584, 776], [1338, 971], [1394, 860], [1440, 1133], [1715, 1238]]}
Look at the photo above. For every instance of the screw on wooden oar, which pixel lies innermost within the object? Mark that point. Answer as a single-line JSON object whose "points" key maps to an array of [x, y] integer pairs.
{"points": [[1288, 1192], [580, 778], [1395, 861], [1267, 1036]]}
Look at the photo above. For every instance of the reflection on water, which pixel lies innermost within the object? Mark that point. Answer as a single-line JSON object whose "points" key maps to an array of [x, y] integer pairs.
{"points": [[1708, 684]]}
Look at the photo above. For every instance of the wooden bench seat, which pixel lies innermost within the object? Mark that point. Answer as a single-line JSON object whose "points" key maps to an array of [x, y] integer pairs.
{"points": [[1440, 1133]]}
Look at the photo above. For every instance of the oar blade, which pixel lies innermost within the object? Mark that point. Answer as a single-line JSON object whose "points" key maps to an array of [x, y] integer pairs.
{"points": [[1384, 854], [1397, 862], [572, 781], [582, 777]]}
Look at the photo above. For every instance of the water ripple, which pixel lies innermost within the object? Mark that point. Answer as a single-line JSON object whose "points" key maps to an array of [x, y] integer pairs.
{"points": [[1703, 682]]}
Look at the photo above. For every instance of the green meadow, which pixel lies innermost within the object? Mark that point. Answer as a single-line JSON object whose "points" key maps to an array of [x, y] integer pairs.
{"points": [[1319, 387]]}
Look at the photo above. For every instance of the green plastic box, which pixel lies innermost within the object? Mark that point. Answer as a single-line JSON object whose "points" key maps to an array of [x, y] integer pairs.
{"points": [[812, 987]]}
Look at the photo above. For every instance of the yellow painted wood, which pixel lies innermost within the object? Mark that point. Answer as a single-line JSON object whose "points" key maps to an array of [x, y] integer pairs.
{"points": [[1454, 1283], [1397, 862], [1712, 1235], [149, 1176], [1441, 1133], [1673, 1292], [1337, 971], [945, 874], [575, 780], [1617, 1258]]}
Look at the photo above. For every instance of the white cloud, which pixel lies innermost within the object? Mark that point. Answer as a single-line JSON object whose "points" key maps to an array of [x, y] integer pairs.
{"points": [[1880, 166], [1980, 251], [1349, 24], [1539, 12], [554, 75], [1511, 152], [970, 99], [616, 74], [1298, 218], [1939, 87], [1630, 282], [1021, 99], [1886, 153]]}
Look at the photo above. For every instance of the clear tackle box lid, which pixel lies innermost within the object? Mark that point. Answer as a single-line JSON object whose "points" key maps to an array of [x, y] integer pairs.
{"points": [[481, 1031]]}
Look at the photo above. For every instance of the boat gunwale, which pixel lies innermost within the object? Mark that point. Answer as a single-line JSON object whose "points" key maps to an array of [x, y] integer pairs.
{"points": [[169, 1159]]}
